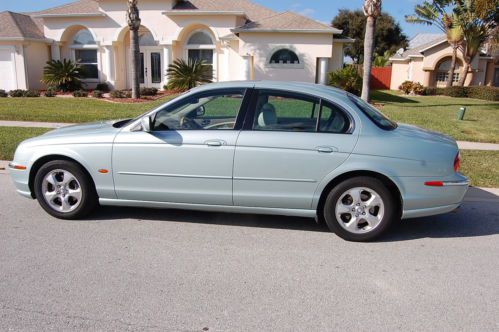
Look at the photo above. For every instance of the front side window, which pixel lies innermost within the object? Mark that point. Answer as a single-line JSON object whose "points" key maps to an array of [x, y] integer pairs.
{"points": [[85, 54], [207, 111]]}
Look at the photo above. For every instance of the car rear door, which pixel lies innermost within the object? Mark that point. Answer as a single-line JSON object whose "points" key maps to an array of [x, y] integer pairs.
{"points": [[283, 151], [188, 155]]}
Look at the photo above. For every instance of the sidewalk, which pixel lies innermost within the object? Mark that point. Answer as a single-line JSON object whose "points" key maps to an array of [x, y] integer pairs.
{"points": [[478, 146]]}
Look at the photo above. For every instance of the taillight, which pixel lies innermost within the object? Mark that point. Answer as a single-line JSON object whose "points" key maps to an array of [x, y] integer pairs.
{"points": [[457, 162]]}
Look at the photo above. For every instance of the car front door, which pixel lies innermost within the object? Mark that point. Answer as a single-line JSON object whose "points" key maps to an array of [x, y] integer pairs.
{"points": [[187, 157], [283, 151]]}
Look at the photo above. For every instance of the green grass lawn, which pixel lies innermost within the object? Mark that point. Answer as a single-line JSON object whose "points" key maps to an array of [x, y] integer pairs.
{"points": [[10, 137], [439, 113], [70, 109], [480, 166]]}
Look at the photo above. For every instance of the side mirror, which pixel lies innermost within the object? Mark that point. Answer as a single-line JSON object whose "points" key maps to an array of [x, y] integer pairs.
{"points": [[200, 111], [146, 124]]}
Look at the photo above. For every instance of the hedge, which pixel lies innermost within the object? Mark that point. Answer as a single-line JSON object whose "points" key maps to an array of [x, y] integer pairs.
{"points": [[479, 92]]}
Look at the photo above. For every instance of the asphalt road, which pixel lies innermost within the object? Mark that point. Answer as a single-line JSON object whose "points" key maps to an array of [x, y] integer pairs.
{"points": [[137, 269]]}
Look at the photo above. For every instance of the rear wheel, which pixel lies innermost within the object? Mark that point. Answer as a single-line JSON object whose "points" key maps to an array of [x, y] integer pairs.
{"points": [[360, 209], [64, 190]]}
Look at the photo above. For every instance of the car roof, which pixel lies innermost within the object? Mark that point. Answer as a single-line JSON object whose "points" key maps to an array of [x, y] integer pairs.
{"points": [[302, 87]]}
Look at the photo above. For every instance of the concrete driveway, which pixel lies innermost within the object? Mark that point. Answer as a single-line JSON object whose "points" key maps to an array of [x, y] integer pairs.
{"points": [[136, 269]]}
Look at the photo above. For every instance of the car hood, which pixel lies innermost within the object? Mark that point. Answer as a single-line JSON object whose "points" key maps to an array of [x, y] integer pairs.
{"points": [[82, 129], [414, 132]]}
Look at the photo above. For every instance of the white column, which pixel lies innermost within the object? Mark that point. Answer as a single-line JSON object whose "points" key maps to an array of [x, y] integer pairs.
{"points": [[109, 65], [55, 51], [166, 62], [323, 64], [246, 67]]}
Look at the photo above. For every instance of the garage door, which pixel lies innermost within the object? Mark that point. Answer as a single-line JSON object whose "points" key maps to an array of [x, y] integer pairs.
{"points": [[7, 69]]}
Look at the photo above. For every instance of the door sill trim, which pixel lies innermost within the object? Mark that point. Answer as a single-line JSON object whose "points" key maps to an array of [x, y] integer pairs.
{"points": [[211, 208]]}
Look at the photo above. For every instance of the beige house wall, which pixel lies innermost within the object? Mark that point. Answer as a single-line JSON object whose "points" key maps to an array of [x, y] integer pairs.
{"points": [[400, 73], [336, 60], [308, 47], [36, 56]]}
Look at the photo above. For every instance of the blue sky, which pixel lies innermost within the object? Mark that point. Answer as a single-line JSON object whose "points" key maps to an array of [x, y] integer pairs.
{"points": [[322, 10]]}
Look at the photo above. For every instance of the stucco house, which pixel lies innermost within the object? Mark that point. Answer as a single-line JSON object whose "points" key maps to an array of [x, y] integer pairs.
{"points": [[428, 59], [240, 39]]}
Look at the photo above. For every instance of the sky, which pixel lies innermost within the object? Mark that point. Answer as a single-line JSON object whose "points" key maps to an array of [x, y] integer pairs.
{"points": [[321, 10]]}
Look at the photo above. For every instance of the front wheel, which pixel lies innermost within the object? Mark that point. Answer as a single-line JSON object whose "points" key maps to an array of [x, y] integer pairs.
{"points": [[64, 190], [360, 209]]}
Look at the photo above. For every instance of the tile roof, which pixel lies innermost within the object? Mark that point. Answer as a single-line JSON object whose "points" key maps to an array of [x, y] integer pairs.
{"points": [[253, 11], [85, 7], [15, 25], [286, 21], [417, 51], [424, 38]]}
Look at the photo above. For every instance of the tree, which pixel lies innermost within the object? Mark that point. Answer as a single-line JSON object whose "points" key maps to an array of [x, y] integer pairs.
{"points": [[478, 21], [436, 13], [65, 75], [382, 60], [388, 36], [134, 22], [372, 10], [184, 75]]}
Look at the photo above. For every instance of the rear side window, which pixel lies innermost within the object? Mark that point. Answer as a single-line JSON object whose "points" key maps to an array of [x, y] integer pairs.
{"points": [[372, 113], [284, 111]]}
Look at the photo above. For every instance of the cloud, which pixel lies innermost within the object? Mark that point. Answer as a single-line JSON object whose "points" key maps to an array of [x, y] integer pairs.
{"points": [[299, 8]]}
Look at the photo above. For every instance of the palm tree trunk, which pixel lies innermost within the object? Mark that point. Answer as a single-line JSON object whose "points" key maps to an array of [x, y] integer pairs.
{"points": [[450, 78], [466, 68], [135, 55], [368, 57]]}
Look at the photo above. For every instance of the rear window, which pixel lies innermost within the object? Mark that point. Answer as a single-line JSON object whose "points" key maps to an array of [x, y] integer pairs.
{"points": [[372, 113]]}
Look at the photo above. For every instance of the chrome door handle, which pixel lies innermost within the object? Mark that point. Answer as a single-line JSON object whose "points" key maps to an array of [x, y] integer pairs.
{"points": [[326, 149], [214, 143]]}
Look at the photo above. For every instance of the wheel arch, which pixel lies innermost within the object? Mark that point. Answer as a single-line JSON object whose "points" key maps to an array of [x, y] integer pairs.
{"points": [[48, 158], [392, 186]]}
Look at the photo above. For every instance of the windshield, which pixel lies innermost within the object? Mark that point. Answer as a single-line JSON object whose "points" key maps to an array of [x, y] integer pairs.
{"points": [[372, 113]]}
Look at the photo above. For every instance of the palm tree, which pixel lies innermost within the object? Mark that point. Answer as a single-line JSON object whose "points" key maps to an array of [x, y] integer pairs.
{"points": [[372, 10], [435, 13], [184, 75], [134, 22], [65, 75], [477, 19]]}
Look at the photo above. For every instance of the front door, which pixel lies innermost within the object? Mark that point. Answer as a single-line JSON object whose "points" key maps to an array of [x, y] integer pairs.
{"points": [[284, 150], [151, 68], [187, 157]]}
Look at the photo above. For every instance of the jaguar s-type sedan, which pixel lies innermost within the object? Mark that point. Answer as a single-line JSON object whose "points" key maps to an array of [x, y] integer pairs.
{"points": [[281, 148]]}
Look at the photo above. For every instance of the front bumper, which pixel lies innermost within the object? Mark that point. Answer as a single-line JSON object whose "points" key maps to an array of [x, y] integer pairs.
{"points": [[20, 177]]}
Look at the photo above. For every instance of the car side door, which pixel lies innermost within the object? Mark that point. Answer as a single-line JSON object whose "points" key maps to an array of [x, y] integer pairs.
{"points": [[187, 156], [289, 143]]}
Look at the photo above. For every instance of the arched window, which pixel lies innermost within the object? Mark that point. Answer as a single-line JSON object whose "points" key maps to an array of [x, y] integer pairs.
{"points": [[200, 38], [443, 71], [85, 54], [284, 56], [84, 37], [147, 39]]}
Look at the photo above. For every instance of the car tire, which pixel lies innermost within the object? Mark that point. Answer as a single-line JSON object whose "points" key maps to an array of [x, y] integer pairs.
{"points": [[64, 190], [360, 209]]}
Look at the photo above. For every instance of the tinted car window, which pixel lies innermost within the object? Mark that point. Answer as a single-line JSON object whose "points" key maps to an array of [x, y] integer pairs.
{"points": [[333, 119], [277, 111], [372, 113], [207, 111]]}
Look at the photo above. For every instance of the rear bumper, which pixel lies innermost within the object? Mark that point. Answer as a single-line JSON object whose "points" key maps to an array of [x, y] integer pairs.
{"points": [[421, 200]]}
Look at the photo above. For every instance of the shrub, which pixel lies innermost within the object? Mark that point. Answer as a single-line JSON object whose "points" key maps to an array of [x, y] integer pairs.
{"points": [[184, 75], [97, 94], [121, 94], [406, 87], [3, 94], [102, 87], [80, 94], [51, 92], [17, 93], [65, 75], [418, 89], [148, 91], [347, 79], [32, 93], [456, 92], [483, 92]]}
